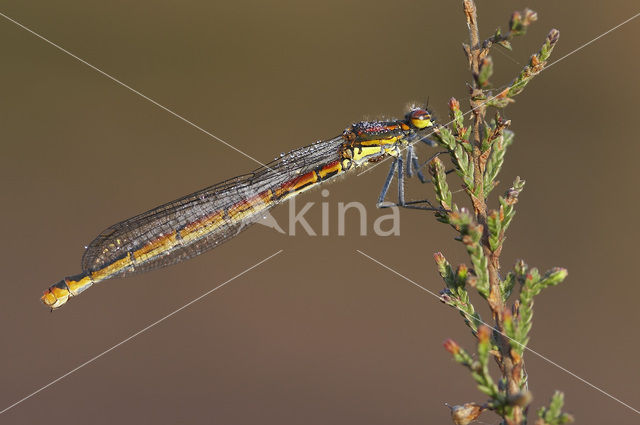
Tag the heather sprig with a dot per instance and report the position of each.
(477, 149)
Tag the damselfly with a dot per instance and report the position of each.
(191, 225)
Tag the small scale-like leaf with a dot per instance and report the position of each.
(486, 71)
(553, 277)
(553, 414)
(445, 270)
(495, 230)
(446, 139)
(506, 286)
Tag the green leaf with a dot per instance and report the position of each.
(536, 64)
(444, 196)
(506, 286)
(506, 44)
(471, 236)
(445, 270)
(446, 139)
(532, 284)
(553, 277)
(464, 164)
(496, 159)
(509, 326)
(485, 72)
(495, 230)
(466, 135)
(499, 102)
(508, 201)
(553, 414)
(459, 151)
(457, 117)
(462, 273)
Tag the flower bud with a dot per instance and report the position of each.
(454, 105)
(484, 332)
(451, 346)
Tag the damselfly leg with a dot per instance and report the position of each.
(408, 166)
(413, 164)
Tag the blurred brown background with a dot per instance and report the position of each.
(319, 334)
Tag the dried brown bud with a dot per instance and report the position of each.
(466, 413)
(517, 358)
(502, 94)
(512, 196)
(445, 296)
(534, 62)
(521, 399)
(451, 346)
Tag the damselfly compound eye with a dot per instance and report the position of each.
(420, 118)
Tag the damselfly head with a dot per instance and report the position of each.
(419, 118)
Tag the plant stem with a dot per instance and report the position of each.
(477, 153)
(510, 367)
